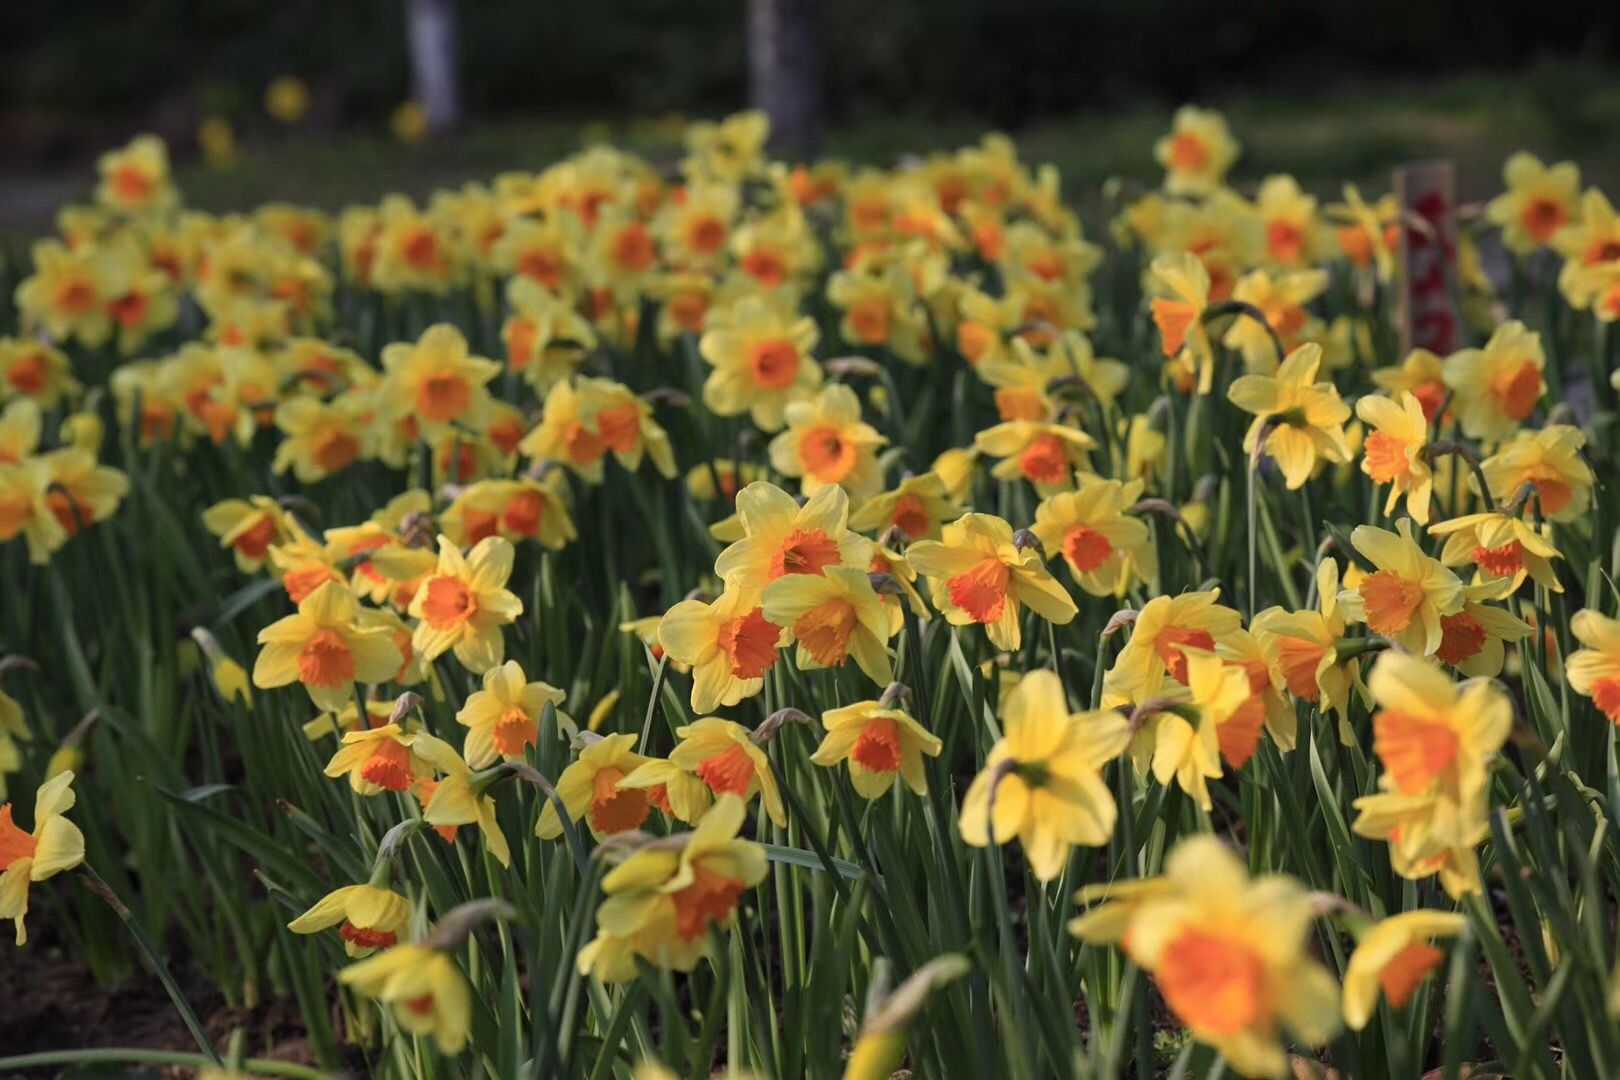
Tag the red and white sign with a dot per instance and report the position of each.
(1428, 257)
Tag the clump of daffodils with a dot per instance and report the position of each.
(885, 531)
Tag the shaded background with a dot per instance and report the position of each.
(1331, 90)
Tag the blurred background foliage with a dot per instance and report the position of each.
(1000, 61)
(1329, 89)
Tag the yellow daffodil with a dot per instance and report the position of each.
(436, 381)
(1393, 452)
(1288, 218)
(1042, 782)
(65, 295)
(1303, 646)
(1422, 374)
(1028, 384)
(918, 506)
(589, 789)
(368, 918)
(1590, 246)
(1435, 741)
(36, 370)
(728, 644)
(761, 355)
(1594, 671)
(889, 561)
(1392, 958)
(681, 795)
(1282, 299)
(381, 758)
(694, 232)
(54, 845)
(1163, 629)
(725, 757)
(1473, 637)
(880, 311)
(324, 647)
(1188, 750)
(1197, 151)
(1229, 955)
(778, 251)
(1408, 593)
(983, 325)
(545, 338)
(1368, 233)
(413, 250)
(729, 149)
(1045, 454)
(834, 616)
(248, 527)
(1105, 549)
(135, 180)
(320, 437)
(458, 798)
(73, 492)
(1301, 421)
(463, 604)
(1500, 547)
(782, 538)
(1539, 201)
(1219, 231)
(826, 442)
(1180, 288)
(20, 427)
(518, 509)
(504, 717)
(979, 574)
(1266, 708)
(303, 565)
(1495, 389)
(879, 743)
(426, 990)
(1550, 461)
(581, 423)
(955, 467)
(661, 901)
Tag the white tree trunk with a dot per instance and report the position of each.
(784, 77)
(430, 28)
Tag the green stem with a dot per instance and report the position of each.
(187, 1014)
(1254, 550)
(137, 1056)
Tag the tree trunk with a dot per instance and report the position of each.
(430, 27)
(784, 76)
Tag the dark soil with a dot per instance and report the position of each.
(50, 1001)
